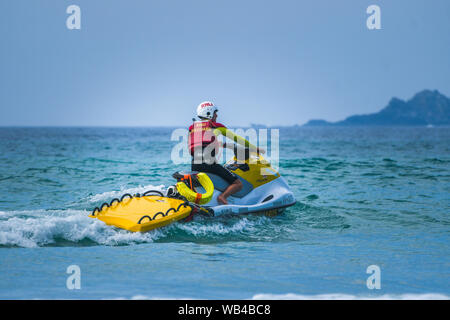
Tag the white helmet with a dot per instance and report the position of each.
(206, 109)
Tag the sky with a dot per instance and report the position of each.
(278, 63)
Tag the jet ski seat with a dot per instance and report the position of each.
(219, 183)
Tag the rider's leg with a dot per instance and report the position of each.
(236, 186)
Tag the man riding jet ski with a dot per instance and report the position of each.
(204, 145)
(247, 180)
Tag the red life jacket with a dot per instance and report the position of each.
(201, 134)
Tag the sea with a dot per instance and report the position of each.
(371, 219)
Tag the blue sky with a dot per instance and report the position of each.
(149, 63)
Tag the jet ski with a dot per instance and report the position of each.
(264, 191)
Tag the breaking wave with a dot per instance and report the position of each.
(344, 296)
(327, 296)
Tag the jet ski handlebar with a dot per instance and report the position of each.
(241, 153)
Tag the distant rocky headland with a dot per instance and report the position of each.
(425, 108)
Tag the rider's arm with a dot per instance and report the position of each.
(231, 135)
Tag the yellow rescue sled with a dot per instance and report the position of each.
(142, 213)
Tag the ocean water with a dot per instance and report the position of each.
(365, 196)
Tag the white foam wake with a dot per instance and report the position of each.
(109, 195)
(45, 227)
(37, 228)
(217, 228)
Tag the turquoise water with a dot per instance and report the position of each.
(366, 196)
